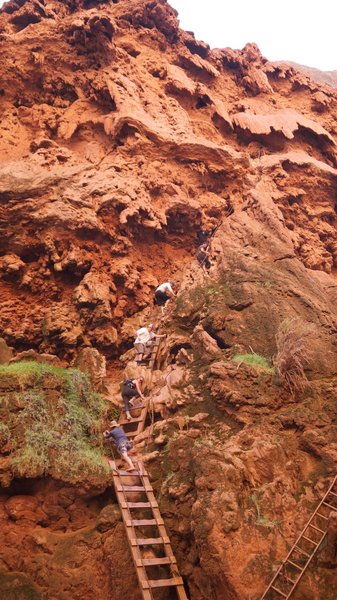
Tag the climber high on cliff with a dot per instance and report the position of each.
(131, 388)
(117, 434)
(202, 257)
(163, 294)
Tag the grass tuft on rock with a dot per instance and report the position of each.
(54, 421)
(255, 360)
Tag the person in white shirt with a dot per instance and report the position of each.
(144, 342)
(163, 294)
(144, 336)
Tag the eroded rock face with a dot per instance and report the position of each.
(118, 147)
(122, 160)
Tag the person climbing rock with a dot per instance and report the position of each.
(202, 257)
(163, 294)
(144, 341)
(131, 388)
(117, 434)
(202, 236)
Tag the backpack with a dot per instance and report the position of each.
(129, 383)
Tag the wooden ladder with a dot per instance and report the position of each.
(135, 425)
(151, 359)
(298, 559)
(157, 541)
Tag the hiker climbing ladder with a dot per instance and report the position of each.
(157, 541)
(135, 425)
(298, 559)
(150, 359)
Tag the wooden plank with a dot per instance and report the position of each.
(152, 541)
(132, 488)
(149, 562)
(285, 576)
(295, 565)
(278, 591)
(158, 583)
(298, 549)
(321, 516)
(304, 537)
(140, 522)
(137, 505)
(317, 528)
(330, 505)
(124, 422)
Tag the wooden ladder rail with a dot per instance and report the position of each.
(297, 549)
(147, 585)
(151, 359)
(140, 420)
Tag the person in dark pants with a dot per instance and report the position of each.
(163, 294)
(131, 388)
(202, 257)
(117, 434)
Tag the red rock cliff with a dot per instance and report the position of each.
(122, 137)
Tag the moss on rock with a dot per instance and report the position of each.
(54, 419)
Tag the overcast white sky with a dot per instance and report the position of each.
(303, 31)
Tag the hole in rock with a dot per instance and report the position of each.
(222, 345)
(203, 101)
(175, 349)
(293, 200)
(31, 254)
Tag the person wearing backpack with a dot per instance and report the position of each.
(122, 443)
(131, 388)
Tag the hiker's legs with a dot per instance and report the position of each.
(148, 349)
(140, 349)
(126, 400)
(127, 459)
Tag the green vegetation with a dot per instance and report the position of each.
(55, 421)
(213, 295)
(256, 360)
(261, 519)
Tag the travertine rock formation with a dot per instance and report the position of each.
(122, 138)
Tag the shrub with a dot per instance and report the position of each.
(293, 341)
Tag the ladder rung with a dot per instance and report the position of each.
(139, 522)
(157, 583)
(150, 541)
(302, 551)
(131, 433)
(309, 540)
(278, 591)
(317, 528)
(333, 493)
(138, 505)
(330, 505)
(285, 576)
(294, 565)
(149, 562)
(141, 406)
(130, 421)
(322, 516)
(134, 473)
(132, 488)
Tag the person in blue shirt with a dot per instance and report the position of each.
(117, 434)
